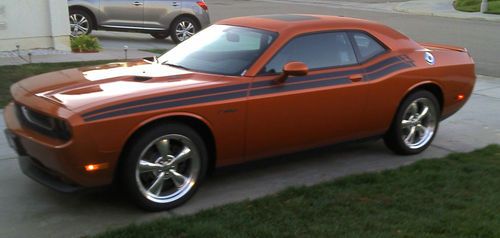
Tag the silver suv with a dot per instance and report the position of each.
(179, 19)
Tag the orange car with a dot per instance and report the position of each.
(244, 88)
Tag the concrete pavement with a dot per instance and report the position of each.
(31, 210)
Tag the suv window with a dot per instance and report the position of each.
(317, 51)
(368, 47)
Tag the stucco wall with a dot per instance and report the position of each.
(34, 24)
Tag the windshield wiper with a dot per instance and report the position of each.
(175, 65)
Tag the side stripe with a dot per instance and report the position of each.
(169, 97)
(163, 105)
(372, 72)
(386, 71)
(293, 87)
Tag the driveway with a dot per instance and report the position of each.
(31, 210)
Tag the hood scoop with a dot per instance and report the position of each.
(142, 78)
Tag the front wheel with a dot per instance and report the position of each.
(415, 124)
(164, 167)
(182, 29)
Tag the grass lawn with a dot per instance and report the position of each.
(475, 6)
(457, 196)
(11, 74)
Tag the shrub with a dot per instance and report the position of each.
(85, 43)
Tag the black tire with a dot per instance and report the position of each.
(133, 181)
(80, 13)
(405, 122)
(178, 25)
(159, 36)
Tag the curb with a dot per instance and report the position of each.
(404, 8)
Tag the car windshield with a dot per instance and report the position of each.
(220, 49)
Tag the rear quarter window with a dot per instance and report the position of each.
(367, 46)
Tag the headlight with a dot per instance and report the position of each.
(43, 124)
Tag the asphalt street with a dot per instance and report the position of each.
(31, 210)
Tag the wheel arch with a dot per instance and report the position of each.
(199, 124)
(87, 10)
(430, 86)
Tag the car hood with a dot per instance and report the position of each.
(83, 88)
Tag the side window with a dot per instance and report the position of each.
(368, 47)
(320, 50)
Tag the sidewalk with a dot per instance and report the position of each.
(51, 56)
(441, 8)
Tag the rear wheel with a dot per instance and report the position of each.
(80, 23)
(182, 29)
(415, 124)
(164, 167)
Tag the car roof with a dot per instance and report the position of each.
(286, 22)
(289, 25)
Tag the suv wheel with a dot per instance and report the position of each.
(164, 166)
(182, 29)
(80, 23)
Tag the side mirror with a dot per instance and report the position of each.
(293, 69)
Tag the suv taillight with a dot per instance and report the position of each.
(203, 5)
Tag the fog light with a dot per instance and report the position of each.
(94, 167)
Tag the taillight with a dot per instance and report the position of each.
(203, 5)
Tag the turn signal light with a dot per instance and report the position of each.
(460, 97)
(94, 167)
(203, 5)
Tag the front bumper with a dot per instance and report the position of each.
(52, 162)
(37, 171)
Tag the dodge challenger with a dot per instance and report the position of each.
(244, 88)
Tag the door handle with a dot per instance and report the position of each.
(356, 78)
(175, 4)
(137, 3)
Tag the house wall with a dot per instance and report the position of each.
(34, 24)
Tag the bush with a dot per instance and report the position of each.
(85, 43)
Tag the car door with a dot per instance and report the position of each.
(122, 13)
(160, 13)
(322, 107)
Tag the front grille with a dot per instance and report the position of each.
(42, 123)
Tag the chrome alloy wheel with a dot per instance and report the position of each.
(168, 168)
(184, 30)
(419, 123)
(79, 24)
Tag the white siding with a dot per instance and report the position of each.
(34, 24)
